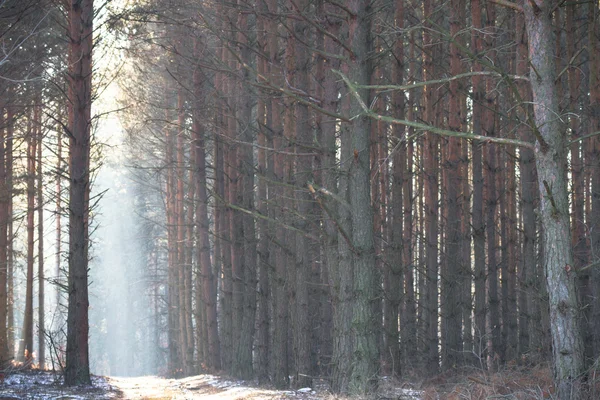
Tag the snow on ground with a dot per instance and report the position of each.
(37, 385)
(42, 385)
(207, 387)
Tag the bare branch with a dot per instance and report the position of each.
(429, 128)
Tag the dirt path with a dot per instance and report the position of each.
(45, 385)
(198, 387)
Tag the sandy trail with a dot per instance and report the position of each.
(197, 387)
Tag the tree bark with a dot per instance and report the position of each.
(393, 272)
(594, 164)
(478, 183)
(280, 300)
(528, 188)
(302, 176)
(10, 256)
(431, 209)
(205, 272)
(551, 162)
(41, 279)
(4, 217)
(363, 376)
(451, 281)
(80, 100)
(26, 346)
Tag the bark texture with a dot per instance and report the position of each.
(551, 163)
(77, 369)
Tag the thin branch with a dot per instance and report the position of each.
(439, 81)
(569, 64)
(439, 131)
(258, 215)
(579, 139)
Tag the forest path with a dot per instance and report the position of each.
(196, 387)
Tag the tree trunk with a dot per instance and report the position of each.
(171, 217)
(578, 236)
(205, 273)
(41, 278)
(393, 287)
(478, 182)
(408, 327)
(343, 279)
(431, 207)
(451, 281)
(302, 176)
(243, 366)
(528, 188)
(26, 346)
(594, 163)
(4, 218)
(363, 377)
(264, 123)
(280, 300)
(10, 256)
(80, 100)
(494, 341)
(551, 151)
(331, 89)
(58, 273)
(182, 285)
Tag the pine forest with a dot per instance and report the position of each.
(297, 193)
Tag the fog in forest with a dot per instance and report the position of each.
(120, 305)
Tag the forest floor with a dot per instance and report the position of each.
(44, 385)
(534, 382)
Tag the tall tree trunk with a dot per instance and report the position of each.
(182, 284)
(80, 100)
(343, 279)
(58, 273)
(302, 176)
(551, 151)
(509, 277)
(264, 123)
(494, 341)
(452, 282)
(329, 166)
(322, 266)
(26, 346)
(478, 183)
(4, 217)
(528, 262)
(409, 308)
(205, 271)
(431, 206)
(41, 278)
(594, 147)
(10, 256)
(222, 217)
(395, 263)
(243, 366)
(280, 300)
(363, 376)
(578, 236)
(171, 216)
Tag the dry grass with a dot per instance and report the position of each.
(513, 382)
